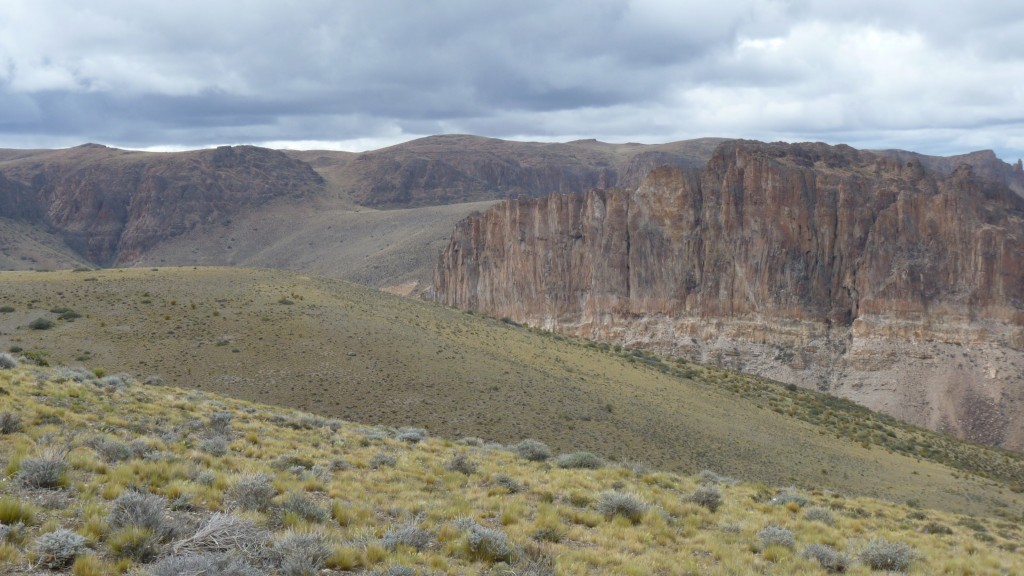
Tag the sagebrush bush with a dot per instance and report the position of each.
(880, 554)
(707, 496)
(585, 460)
(220, 423)
(300, 505)
(789, 497)
(41, 324)
(711, 477)
(112, 450)
(59, 548)
(776, 536)
(7, 362)
(408, 534)
(300, 553)
(533, 450)
(204, 565)
(252, 492)
(214, 446)
(507, 482)
(827, 557)
(382, 459)
(488, 544)
(412, 435)
(10, 423)
(142, 510)
(621, 504)
(48, 470)
(819, 514)
(461, 463)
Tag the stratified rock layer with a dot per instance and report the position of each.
(857, 272)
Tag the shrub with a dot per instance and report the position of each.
(710, 477)
(776, 536)
(7, 362)
(621, 504)
(6, 309)
(40, 324)
(204, 564)
(112, 450)
(409, 535)
(214, 446)
(411, 435)
(58, 549)
(461, 463)
(827, 557)
(13, 511)
(507, 482)
(382, 459)
(880, 554)
(936, 528)
(301, 553)
(135, 543)
(141, 510)
(298, 504)
(579, 460)
(819, 514)
(488, 544)
(220, 423)
(533, 450)
(46, 471)
(707, 496)
(223, 533)
(787, 497)
(10, 423)
(252, 492)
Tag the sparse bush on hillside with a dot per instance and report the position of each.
(787, 497)
(59, 548)
(382, 459)
(776, 536)
(827, 557)
(220, 424)
(45, 471)
(134, 508)
(75, 374)
(707, 496)
(487, 544)
(509, 483)
(710, 477)
(819, 514)
(621, 504)
(154, 380)
(7, 362)
(471, 441)
(300, 505)
(41, 324)
(252, 492)
(214, 446)
(301, 553)
(408, 534)
(880, 554)
(412, 435)
(10, 423)
(533, 450)
(585, 460)
(461, 463)
(110, 450)
(204, 565)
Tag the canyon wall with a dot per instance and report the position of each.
(860, 273)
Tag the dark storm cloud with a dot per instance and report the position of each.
(937, 76)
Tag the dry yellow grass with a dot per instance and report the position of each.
(345, 351)
(554, 519)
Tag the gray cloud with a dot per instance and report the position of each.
(940, 77)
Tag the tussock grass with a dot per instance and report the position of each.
(170, 507)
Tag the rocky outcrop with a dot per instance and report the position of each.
(112, 205)
(826, 266)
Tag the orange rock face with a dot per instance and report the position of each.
(808, 248)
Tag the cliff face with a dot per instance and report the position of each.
(825, 266)
(112, 205)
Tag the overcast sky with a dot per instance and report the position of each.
(936, 76)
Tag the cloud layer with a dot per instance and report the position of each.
(939, 77)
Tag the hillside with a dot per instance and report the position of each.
(107, 475)
(840, 270)
(345, 351)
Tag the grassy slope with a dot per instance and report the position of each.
(328, 467)
(346, 351)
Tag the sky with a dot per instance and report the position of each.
(935, 76)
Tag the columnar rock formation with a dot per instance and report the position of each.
(861, 273)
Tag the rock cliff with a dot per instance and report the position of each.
(861, 273)
(112, 205)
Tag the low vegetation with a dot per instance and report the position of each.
(126, 487)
